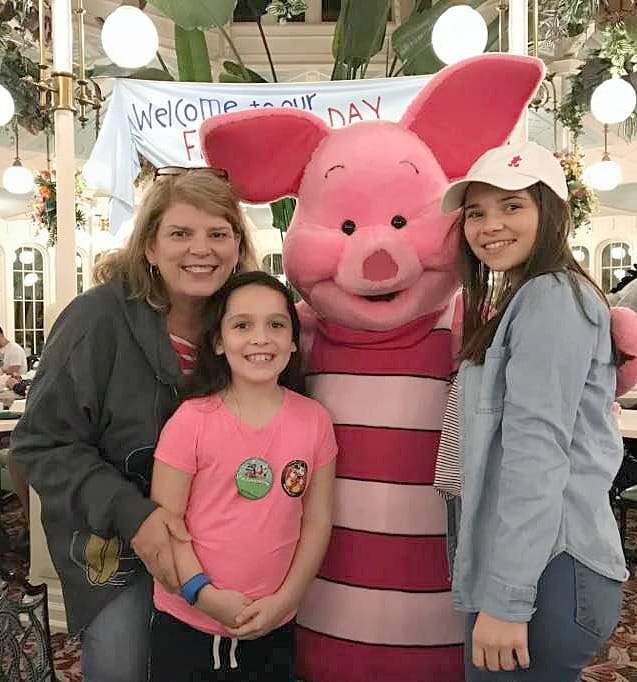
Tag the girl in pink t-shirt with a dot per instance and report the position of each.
(249, 464)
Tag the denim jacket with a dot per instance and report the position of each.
(540, 448)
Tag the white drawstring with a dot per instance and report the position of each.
(216, 643)
(216, 653)
(233, 648)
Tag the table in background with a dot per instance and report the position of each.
(628, 423)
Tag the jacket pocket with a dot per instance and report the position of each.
(493, 381)
(598, 601)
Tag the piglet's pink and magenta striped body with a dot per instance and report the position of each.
(381, 609)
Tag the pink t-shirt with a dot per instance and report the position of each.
(243, 544)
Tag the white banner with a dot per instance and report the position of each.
(161, 120)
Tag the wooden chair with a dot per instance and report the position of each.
(25, 636)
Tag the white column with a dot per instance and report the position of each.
(65, 277)
(518, 44)
(42, 569)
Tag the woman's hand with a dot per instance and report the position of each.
(151, 543)
(499, 644)
(261, 617)
(222, 605)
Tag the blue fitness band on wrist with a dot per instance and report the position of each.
(191, 588)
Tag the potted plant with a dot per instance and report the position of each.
(566, 25)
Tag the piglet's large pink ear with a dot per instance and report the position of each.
(472, 106)
(265, 152)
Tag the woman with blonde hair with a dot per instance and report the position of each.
(109, 379)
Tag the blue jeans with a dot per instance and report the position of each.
(577, 611)
(115, 645)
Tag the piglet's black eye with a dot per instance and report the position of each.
(348, 227)
(398, 221)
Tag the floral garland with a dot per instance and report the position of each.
(581, 199)
(44, 211)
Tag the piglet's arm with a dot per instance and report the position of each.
(624, 330)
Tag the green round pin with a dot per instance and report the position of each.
(253, 478)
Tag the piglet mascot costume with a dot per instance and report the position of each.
(376, 263)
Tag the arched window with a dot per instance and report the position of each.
(28, 299)
(583, 257)
(616, 259)
(273, 264)
(79, 268)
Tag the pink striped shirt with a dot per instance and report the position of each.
(381, 606)
(186, 352)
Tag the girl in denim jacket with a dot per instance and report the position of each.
(539, 564)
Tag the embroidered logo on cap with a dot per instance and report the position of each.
(515, 162)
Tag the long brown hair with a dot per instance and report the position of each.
(486, 298)
(195, 187)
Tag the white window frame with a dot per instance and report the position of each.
(20, 330)
(626, 261)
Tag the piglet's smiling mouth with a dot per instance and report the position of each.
(376, 298)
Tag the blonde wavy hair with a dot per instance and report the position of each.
(196, 187)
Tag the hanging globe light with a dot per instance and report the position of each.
(613, 101)
(604, 175)
(30, 279)
(617, 252)
(7, 106)
(459, 32)
(579, 255)
(129, 37)
(17, 179)
(26, 257)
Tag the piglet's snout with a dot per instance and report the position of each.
(379, 266)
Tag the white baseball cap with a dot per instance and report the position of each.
(513, 166)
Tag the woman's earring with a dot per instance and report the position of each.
(152, 270)
(236, 268)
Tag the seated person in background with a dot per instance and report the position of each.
(14, 359)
